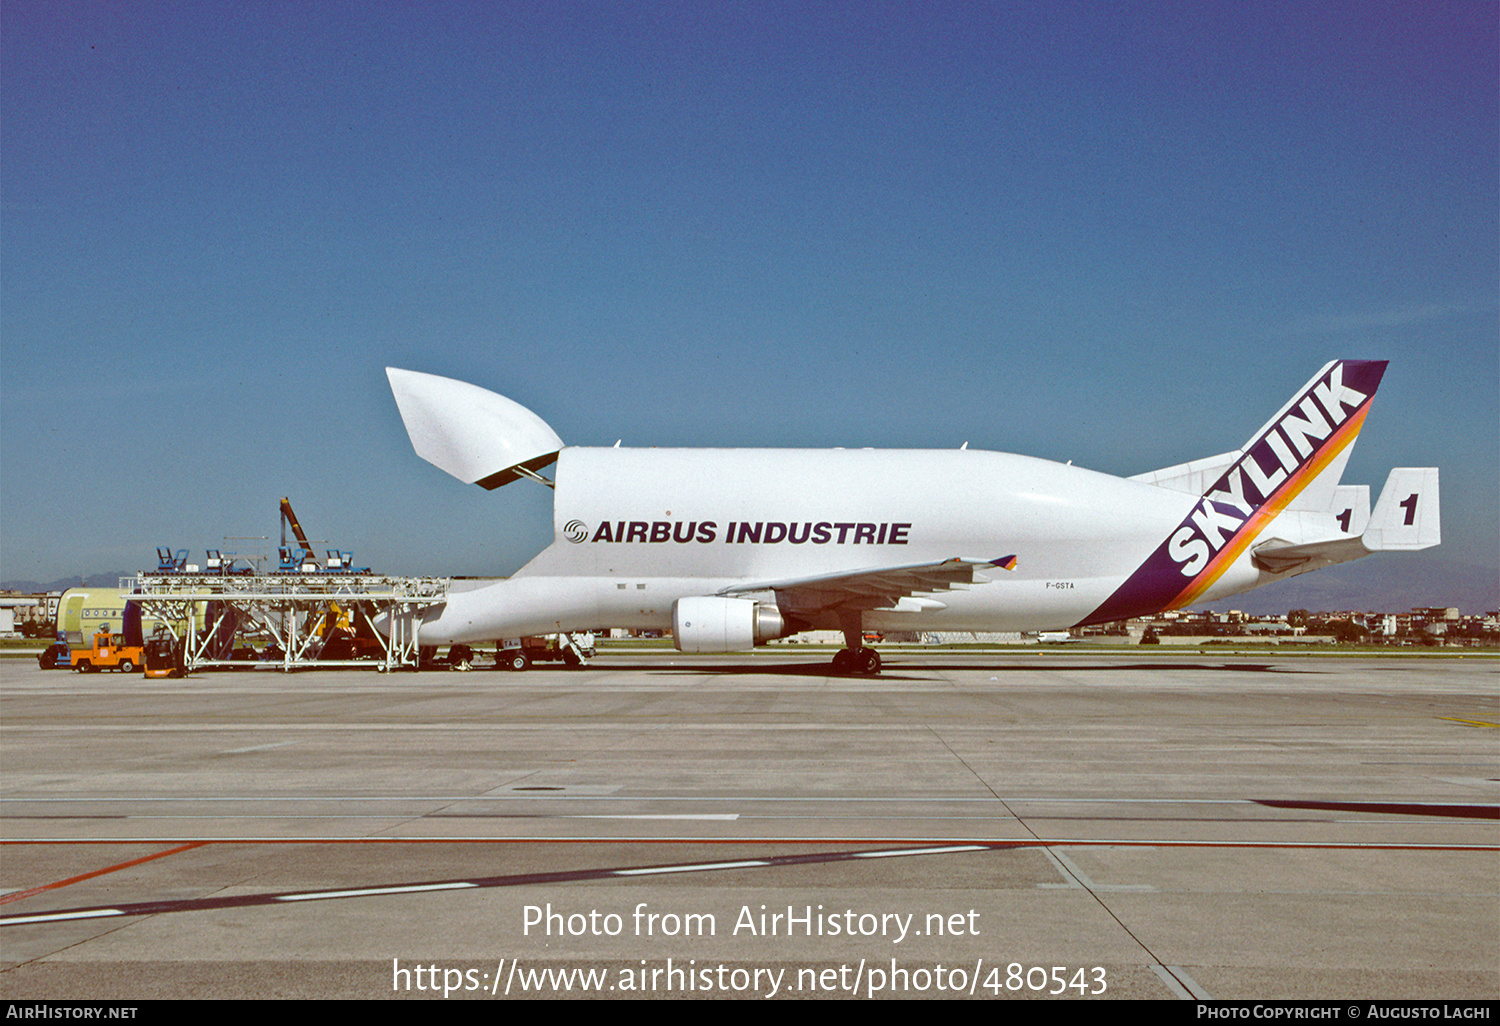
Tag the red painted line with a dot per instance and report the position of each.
(1454, 811)
(18, 895)
(1030, 842)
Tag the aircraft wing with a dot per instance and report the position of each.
(903, 588)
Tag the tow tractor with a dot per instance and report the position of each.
(109, 652)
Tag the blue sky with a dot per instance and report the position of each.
(1121, 234)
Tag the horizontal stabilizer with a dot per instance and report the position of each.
(470, 432)
(1405, 518)
(1195, 478)
(1278, 556)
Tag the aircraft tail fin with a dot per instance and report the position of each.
(1313, 435)
(1293, 462)
(1296, 435)
(470, 432)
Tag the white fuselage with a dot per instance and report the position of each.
(637, 529)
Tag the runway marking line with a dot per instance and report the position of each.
(18, 895)
(365, 892)
(567, 876)
(1450, 809)
(514, 880)
(939, 843)
(694, 868)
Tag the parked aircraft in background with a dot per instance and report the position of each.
(730, 548)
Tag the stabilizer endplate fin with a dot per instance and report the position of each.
(1406, 516)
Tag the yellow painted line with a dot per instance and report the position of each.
(1472, 723)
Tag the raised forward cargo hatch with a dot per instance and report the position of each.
(470, 432)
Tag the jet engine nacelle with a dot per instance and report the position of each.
(708, 624)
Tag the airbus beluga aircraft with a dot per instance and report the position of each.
(730, 548)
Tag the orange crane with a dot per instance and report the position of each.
(295, 560)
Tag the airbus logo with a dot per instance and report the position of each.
(759, 532)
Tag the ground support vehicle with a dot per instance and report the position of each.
(569, 649)
(55, 657)
(163, 656)
(108, 652)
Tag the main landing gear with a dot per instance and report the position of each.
(862, 661)
(856, 658)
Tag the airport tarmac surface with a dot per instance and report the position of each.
(995, 824)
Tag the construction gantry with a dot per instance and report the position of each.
(297, 619)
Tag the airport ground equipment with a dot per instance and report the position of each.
(570, 649)
(343, 562)
(169, 562)
(107, 652)
(218, 563)
(163, 656)
(55, 657)
(323, 619)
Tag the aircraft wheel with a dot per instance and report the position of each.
(841, 660)
(869, 662)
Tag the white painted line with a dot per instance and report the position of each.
(920, 851)
(56, 917)
(722, 816)
(413, 889)
(1178, 990)
(261, 748)
(1066, 867)
(1189, 990)
(689, 869)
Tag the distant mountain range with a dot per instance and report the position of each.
(1390, 583)
(105, 579)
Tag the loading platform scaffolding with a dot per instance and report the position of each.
(211, 615)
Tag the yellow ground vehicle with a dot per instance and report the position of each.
(109, 652)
